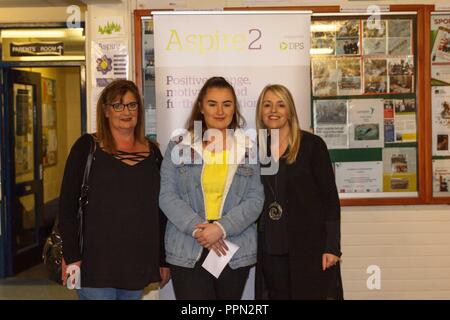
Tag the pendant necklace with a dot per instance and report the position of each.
(275, 210)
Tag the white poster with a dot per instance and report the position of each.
(399, 170)
(250, 49)
(330, 122)
(405, 120)
(440, 53)
(366, 123)
(359, 177)
(109, 63)
(441, 177)
(440, 120)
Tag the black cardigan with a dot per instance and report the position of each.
(313, 223)
(123, 226)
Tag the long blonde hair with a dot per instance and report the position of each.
(294, 126)
(118, 88)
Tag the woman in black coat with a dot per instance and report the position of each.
(299, 229)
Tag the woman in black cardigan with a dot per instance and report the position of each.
(299, 229)
(123, 227)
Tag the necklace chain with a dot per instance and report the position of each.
(274, 194)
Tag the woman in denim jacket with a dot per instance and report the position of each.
(211, 191)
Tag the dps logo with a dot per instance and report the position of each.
(284, 45)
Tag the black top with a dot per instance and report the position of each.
(123, 226)
(280, 187)
(274, 237)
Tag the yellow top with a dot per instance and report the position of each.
(214, 177)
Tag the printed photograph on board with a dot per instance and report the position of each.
(349, 80)
(374, 28)
(323, 37)
(442, 142)
(400, 28)
(399, 36)
(399, 46)
(399, 169)
(441, 177)
(440, 53)
(388, 106)
(375, 46)
(440, 108)
(401, 66)
(330, 111)
(375, 67)
(401, 84)
(405, 120)
(324, 75)
(389, 131)
(367, 131)
(347, 37)
(374, 37)
(330, 122)
(375, 84)
(441, 48)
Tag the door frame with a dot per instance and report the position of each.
(6, 256)
(33, 186)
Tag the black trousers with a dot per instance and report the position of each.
(276, 272)
(198, 284)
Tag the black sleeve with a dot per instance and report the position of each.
(162, 231)
(162, 219)
(324, 176)
(68, 198)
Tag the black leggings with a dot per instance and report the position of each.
(198, 284)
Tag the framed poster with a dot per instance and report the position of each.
(440, 102)
(364, 102)
(49, 132)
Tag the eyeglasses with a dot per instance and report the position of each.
(118, 107)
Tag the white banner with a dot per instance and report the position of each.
(250, 49)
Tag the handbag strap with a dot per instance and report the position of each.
(82, 200)
(87, 168)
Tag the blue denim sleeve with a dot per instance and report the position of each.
(171, 203)
(247, 212)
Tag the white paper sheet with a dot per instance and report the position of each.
(441, 177)
(359, 177)
(215, 264)
(366, 123)
(330, 122)
(441, 120)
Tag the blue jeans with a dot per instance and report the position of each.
(108, 294)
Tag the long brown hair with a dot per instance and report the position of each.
(112, 91)
(215, 82)
(294, 126)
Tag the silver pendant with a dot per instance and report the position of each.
(275, 211)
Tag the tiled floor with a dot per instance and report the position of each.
(33, 285)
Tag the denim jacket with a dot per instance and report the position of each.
(181, 199)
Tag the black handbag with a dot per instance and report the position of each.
(53, 248)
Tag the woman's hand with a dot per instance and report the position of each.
(329, 260)
(165, 276)
(220, 248)
(210, 236)
(64, 266)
